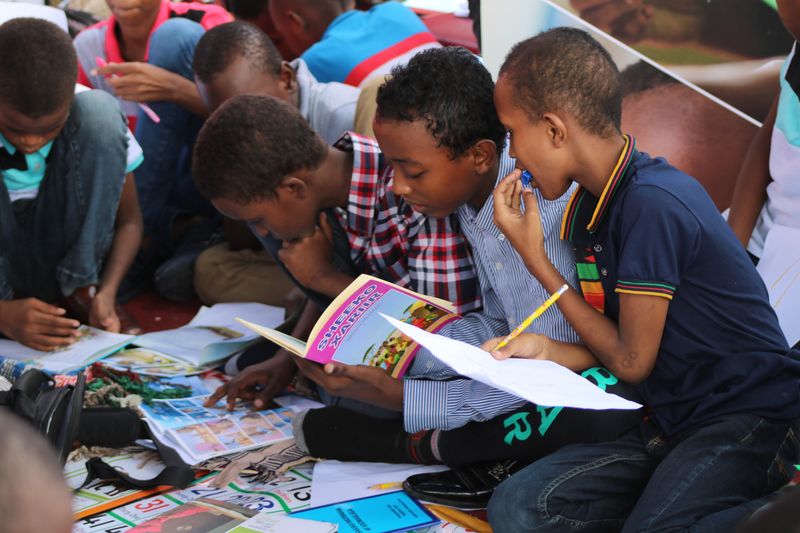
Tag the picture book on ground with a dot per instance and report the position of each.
(151, 363)
(198, 433)
(352, 331)
(208, 516)
(392, 512)
(213, 334)
(91, 344)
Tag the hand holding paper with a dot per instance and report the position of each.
(541, 382)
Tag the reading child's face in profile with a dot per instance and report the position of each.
(425, 173)
(287, 216)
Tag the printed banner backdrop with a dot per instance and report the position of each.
(731, 48)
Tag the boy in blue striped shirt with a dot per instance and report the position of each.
(437, 124)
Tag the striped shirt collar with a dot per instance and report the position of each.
(484, 218)
(577, 205)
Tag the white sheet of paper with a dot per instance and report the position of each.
(779, 267)
(337, 481)
(225, 315)
(541, 382)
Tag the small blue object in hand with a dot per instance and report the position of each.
(526, 178)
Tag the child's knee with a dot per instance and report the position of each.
(98, 119)
(172, 44)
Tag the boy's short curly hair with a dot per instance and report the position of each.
(249, 144)
(451, 91)
(222, 45)
(38, 66)
(566, 69)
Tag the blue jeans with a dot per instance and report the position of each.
(164, 179)
(706, 479)
(58, 242)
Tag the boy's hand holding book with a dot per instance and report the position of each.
(37, 324)
(358, 382)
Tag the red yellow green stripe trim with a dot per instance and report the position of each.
(620, 168)
(664, 290)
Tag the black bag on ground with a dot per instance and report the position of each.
(58, 414)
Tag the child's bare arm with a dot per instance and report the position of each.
(142, 82)
(127, 238)
(310, 260)
(629, 349)
(751, 184)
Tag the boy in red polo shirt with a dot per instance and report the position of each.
(143, 55)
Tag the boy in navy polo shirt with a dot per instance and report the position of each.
(671, 302)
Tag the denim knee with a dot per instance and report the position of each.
(512, 507)
(172, 45)
(98, 121)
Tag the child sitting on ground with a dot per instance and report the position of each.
(677, 309)
(340, 43)
(142, 54)
(69, 216)
(329, 213)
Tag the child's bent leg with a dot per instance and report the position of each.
(585, 487)
(531, 432)
(707, 481)
(172, 48)
(74, 214)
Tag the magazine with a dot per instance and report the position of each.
(91, 345)
(198, 433)
(151, 363)
(352, 331)
(212, 335)
(209, 516)
(391, 512)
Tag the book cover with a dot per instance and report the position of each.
(352, 331)
(392, 512)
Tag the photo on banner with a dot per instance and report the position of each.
(702, 135)
(731, 48)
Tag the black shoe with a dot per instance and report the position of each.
(468, 487)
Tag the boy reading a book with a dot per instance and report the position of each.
(447, 147)
(69, 216)
(671, 302)
(331, 212)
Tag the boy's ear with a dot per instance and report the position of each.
(292, 187)
(297, 19)
(484, 154)
(288, 78)
(556, 129)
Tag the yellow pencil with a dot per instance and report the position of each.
(385, 486)
(459, 518)
(527, 322)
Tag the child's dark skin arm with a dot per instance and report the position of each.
(37, 324)
(750, 192)
(136, 81)
(310, 260)
(358, 382)
(127, 238)
(628, 349)
(261, 382)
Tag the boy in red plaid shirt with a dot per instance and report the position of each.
(327, 214)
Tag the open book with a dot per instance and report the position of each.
(198, 433)
(352, 331)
